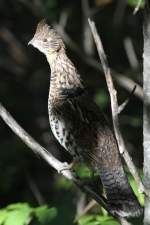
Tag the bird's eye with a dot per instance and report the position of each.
(45, 40)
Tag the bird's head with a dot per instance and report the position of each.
(46, 39)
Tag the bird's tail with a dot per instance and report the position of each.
(121, 199)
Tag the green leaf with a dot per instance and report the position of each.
(112, 222)
(45, 215)
(83, 171)
(84, 220)
(97, 220)
(22, 214)
(18, 206)
(63, 183)
(101, 98)
(18, 217)
(135, 2)
(136, 191)
(3, 215)
(93, 223)
(106, 220)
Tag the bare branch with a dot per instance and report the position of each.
(35, 146)
(16, 49)
(86, 209)
(60, 167)
(114, 107)
(121, 79)
(35, 189)
(130, 52)
(88, 43)
(137, 7)
(128, 84)
(63, 19)
(123, 105)
(146, 108)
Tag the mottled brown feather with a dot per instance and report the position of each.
(80, 126)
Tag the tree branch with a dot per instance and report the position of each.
(60, 167)
(137, 7)
(123, 105)
(124, 81)
(146, 109)
(114, 108)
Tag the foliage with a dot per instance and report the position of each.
(97, 220)
(24, 84)
(135, 2)
(23, 214)
(134, 186)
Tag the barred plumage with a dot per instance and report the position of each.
(79, 125)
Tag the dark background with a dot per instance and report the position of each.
(24, 84)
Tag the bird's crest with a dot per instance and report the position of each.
(43, 30)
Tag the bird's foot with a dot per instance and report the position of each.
(65, 166)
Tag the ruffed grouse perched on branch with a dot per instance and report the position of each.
(80, 127)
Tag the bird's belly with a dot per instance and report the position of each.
(65, 137)
(59, 131)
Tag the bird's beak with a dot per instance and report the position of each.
(30, 42)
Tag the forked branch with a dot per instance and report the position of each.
(115, 107)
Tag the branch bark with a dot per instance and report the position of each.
(60, 167)
(146, 115)
(115, 108)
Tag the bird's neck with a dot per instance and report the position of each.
(65, 82)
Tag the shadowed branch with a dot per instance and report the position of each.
(60, 167)
(124, 81)
(115, 108)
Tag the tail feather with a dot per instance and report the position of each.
(121, 199)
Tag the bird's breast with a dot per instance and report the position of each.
(64, 136)
(59, 130)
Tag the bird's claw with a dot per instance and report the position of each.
(65, 166)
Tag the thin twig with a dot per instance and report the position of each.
(137, 7)
(63, 19)
(128, 84)
(124, 104)
(35, 190)
(80, 205)
(121, 79)
(87, 208)
(130, 52)
(114, 107)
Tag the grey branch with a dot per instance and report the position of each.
(123, 105)
(32, 144)
(146, 111)
(128, 84)
(114, 107)
(121, 79)
(137, 6)
(60, 167)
